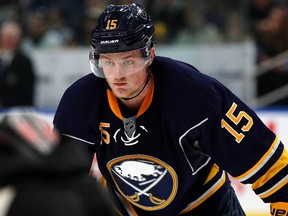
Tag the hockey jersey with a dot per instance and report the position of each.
(189, 132)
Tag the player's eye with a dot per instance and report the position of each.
(109, 63)
(128, 62)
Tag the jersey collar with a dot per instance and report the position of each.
(113, 103)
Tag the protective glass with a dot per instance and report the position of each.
(111, 65)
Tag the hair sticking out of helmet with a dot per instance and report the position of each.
(121, 28)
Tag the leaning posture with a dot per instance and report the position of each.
(166, 135)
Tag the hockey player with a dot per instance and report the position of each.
(166, 135)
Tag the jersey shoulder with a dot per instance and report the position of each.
(80, 102)
(85, 84)
(82, 92)
(185, 82)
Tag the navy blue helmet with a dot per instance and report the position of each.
(122, 28)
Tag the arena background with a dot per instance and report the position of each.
(231, 64)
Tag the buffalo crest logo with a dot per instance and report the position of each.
(145, 181)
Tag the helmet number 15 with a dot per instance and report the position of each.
(111, 24)
(236, 119)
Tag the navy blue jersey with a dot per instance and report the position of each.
(174, 154)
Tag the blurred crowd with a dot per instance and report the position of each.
(69, 23)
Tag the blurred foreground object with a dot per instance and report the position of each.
(39, 175)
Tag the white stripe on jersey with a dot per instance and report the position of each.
(82, 140)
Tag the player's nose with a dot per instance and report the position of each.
(118, 72)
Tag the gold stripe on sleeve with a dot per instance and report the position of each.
(278, 166)
(261, 162)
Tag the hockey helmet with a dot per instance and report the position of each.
(28, 135)
(121, 28)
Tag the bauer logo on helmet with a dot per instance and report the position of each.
(109, 41)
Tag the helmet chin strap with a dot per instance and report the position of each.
(146, 82)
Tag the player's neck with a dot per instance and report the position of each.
(135, 103)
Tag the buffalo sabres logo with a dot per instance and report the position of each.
(145, 181)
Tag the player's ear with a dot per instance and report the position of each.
(152, 52)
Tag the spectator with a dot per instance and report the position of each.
(93, 9)
(259, 10)
(8, 10)
(58, 25)
(271, 35)
(39, 33)
(17, 76)
(235, 29)
(197, 29)
(89, 24)
(169, 17)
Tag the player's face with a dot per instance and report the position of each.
(125, 72)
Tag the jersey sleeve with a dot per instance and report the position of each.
(240, 143)
(76, 115)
